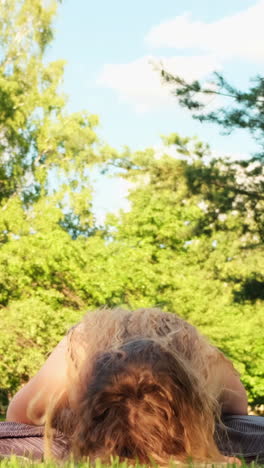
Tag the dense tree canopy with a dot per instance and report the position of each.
(45, 193)
(197, 250)
(191, 243)
(39, 142)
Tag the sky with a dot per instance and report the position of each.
(110, 48)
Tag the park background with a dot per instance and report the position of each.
(96, 207)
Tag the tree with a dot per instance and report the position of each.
(39, 141)
(191, 242)
(238, 184)
(242, 109)
(183, 247)
(45, 193)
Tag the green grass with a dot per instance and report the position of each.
(15, 462)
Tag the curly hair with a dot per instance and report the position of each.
(137, 389)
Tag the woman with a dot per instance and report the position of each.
(140, 385)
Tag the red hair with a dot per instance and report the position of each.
(138, 388)
(142, 403)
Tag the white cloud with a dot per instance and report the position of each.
(140, 84)
(240, 35)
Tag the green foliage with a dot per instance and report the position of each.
(180, 247)
(241, 182)
(191, 243)
(233, 196)
(45, 194)
(29, 329)
(40, 144)
(15, 462)
(191, 247)
(242, 109)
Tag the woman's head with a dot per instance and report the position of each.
(143, 402)
(137, 388)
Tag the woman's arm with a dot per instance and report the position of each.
(51, 379)
(233, 396)
(231, 392)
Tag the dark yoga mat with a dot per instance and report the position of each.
(27, 441)
(243, 436)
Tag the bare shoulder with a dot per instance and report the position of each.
(30, 403)
(230, 391)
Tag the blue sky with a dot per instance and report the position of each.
(108, 46)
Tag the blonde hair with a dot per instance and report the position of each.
(137, 388)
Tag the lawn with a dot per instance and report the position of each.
(14, 462)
